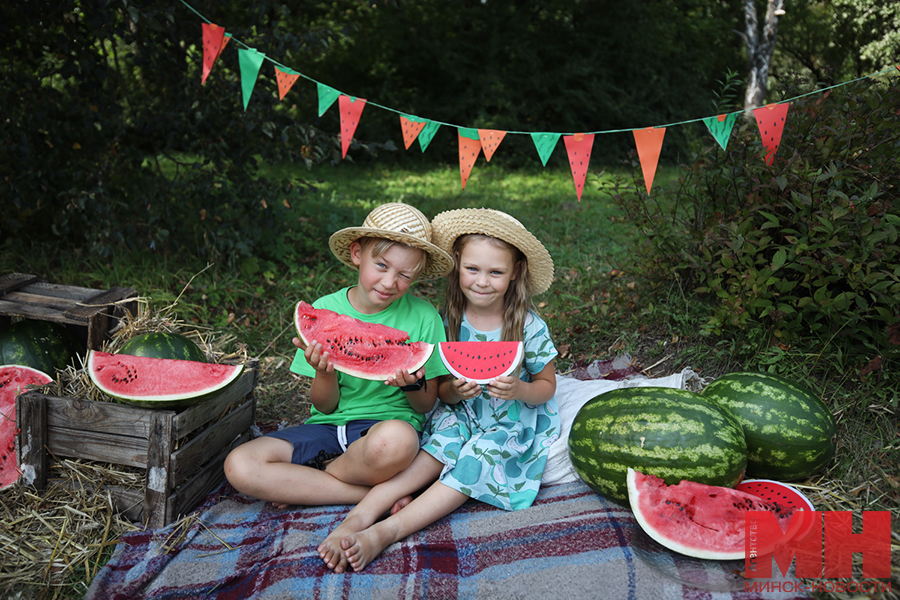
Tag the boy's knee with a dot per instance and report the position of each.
(393, 444)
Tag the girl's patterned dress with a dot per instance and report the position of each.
(495, 450)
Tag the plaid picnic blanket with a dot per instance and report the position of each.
(571, 544)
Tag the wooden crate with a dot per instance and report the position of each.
(88, 313)
(181, 452)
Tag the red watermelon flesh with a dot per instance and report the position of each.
(213, 36)
(158, 382)
(365, 350)
(285, 81)
(770, 119)
(783, 495)
(490, 140)
(579, 148)
(469, 150)
(481, 362)
(698, 520)
(14, 380)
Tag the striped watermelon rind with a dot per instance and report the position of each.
(163, 344)
(790, 431)
(41, 345)
(671, 433)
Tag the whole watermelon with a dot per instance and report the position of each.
(671, 433)
(41, 345)
(163, 344)
(790, 431)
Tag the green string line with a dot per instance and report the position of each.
(511, 132)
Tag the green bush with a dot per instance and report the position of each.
(805, 248)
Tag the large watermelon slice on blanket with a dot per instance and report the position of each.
(481, 362)
(158, 382)
(704, 521)
(14, 380)
(365, 350)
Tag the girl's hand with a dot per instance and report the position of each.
(505, 388)
(316, 356)
(466, 390)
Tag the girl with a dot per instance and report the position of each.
(487, 443)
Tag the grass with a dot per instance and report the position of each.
(602, 304)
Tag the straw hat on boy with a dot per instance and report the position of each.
(400, 223)
(451, 224)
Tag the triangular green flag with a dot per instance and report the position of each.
(250, 61)
(466, 132)
(427, 134)
(721, 126)
(327, 96)
(545, 143)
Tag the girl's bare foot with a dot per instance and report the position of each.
(330, 550)
(363, 547)
(399, 504)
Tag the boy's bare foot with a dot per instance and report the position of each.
(363, 547)
(330, 549)
(399, 504)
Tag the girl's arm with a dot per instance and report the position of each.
(539, 390)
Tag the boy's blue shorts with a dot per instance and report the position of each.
(317, 443)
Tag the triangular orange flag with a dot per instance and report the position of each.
(649, 144)
(770, 119)
(225, 41)
(351, 109)
(469, 149)
(578, 147)
(285, 79)
(212, 45)
(490, 139)
(411, 130)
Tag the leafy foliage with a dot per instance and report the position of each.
(804, 249)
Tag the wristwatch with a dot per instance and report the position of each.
(415, 387)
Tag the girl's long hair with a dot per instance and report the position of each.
(516, 302)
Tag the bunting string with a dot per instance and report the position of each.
(770, 118)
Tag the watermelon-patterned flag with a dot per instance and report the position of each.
(411, 128)
(545, 143)
(770, 119)
(469, 149)
(327, 96)
(427, 134)
(250, 61)
(212, 46)
(285, 78)
(649, 144)
(225, 41)
(720, 126)
(351, 109)
(490, 139)
(579, 147)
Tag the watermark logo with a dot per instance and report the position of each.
(826, 551)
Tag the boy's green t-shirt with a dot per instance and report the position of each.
(364, 399)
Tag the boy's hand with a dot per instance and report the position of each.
(316, 356)
(402, 378)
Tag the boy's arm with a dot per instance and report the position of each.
(324, 392)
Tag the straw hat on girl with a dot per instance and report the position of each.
(451, 224)
(400, 223)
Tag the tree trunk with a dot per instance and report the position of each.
(759, 49)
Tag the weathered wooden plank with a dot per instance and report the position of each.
(198, 487)
(31, 415)
(99, 302)
(58, 290)
(103, 447)
(187, 459)
(14, 281)
(99, 417)
(29, 311)
(24, 297)
(198, 415)
(157, 476)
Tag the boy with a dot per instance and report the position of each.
(360, 432)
